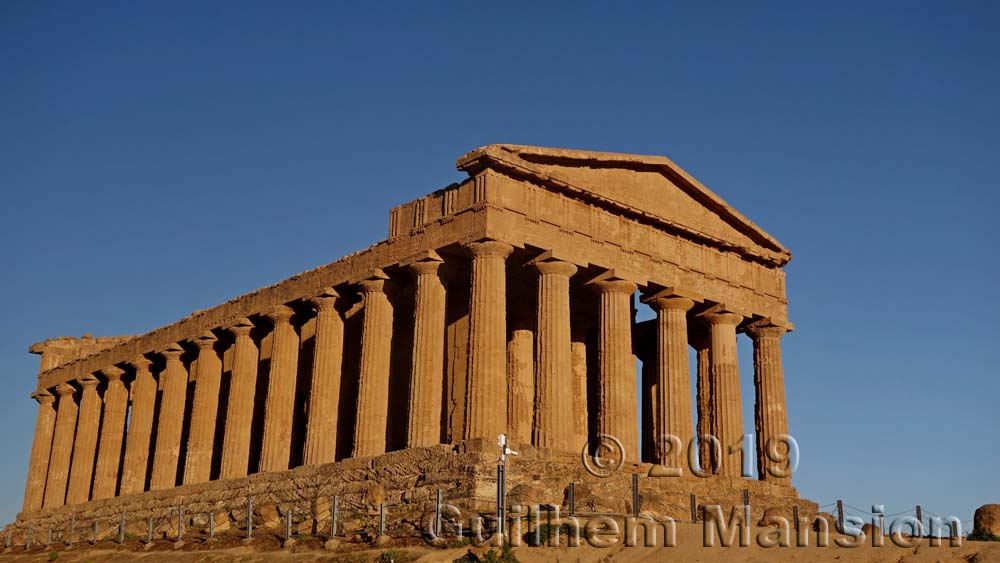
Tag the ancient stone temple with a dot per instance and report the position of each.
(506, 303)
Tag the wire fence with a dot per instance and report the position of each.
(333, 519)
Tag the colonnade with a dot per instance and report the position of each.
(137, 426)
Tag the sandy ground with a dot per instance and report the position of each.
(689, 549)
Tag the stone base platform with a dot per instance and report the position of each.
(405, 482)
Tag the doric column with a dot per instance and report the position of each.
(486, 391)
(173, 395)
(703, 396)
(553, 358)
(279, 406)
(324, 392)
(140, 428)
(770, 416)
(239, 411)
(427, 369)
(62, 447)
(520, 377)
(41, 448)
(85, 445)
(204, 411)
(109, 450)
(373, 383)
(617, 414)
(727, 410)
(673, 380)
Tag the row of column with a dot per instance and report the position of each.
(71, 463)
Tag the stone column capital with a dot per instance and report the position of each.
(172, 352)
(489, 248)
(88, 381)
(64, 389)
(279, 314)
(374, 285)
(671, 303)
(205, 341)
(326, 300)
(425, 267)
(113, 373)
(614, 285)
(719, 316)
(43, 397)
(555, 267)
(140, 363)
(765, 329)
(240, 328)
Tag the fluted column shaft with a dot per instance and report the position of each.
(618, 409)
(373, 383)
(204, 411)
(62, 447)
(486, 391)
(770, 416)
(427, 371)
(578, 352)
(239, 411)
(521, 383)
(324, 392)
(109, 449)
(279, 407)
(727, 409)
(85, 445)
(553, 358)
(173, 396)
(703, 396)
(140, 429)
(673, 380)
(41, 449)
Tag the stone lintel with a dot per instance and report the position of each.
(465, 226)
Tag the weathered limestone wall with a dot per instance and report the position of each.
(466, 475)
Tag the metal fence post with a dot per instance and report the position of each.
(635, 495)
(572, 498)
(211, 525)
(94, 531)
(249, 518)
(180, 523)
(333, 517)
(381, 519)
(149, 529)
(288, 523)
(920, 518)
(121, 529)
(29, 536)
(840, 516)
(694, 509)
(746, 505)
(72, 528)
(48, 537)
(437, 513)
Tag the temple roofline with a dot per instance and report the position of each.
(520, 157)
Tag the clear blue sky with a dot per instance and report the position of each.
(158, 158)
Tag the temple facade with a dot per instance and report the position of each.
(506, 303)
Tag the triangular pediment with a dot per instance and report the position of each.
(650, 188)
